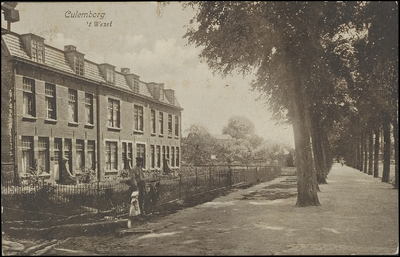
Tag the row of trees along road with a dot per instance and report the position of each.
(243, 146)
(325, 67)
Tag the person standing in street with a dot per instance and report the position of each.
(141, 183)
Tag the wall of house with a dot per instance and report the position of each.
(7, 152)
(60, 128)
(127, 134)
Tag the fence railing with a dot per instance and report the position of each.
(32, 201)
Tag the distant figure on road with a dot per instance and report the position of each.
(342, 161)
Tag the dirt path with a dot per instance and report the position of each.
(358, 215)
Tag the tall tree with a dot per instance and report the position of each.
(239, 127)
(198, 146)
(376, 153)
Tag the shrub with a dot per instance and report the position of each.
(87, 176)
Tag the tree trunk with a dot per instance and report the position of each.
(370, 152)
(365, 167)
(376, 154)
(318, 150)
(361, 152)
(307, 185)
(396, 152)
(386, 148)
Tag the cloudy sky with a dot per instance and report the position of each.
(150, 43)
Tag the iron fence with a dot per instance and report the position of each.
(35, 201)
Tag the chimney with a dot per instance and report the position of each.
(132, 79)
(125, 70)
(69, 48)
(170, 94)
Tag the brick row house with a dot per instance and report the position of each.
(55, 104)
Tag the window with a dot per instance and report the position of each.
(141, 152)
(136, 85)
(88, 108)
(167, 154)
(172, 156)
(158, 156)
(176, 126)
(127, 153)
(169, 125)
(43, 155)
(57, 149)
(138, 118)
(91, 158)
(110, 75)
(161, 122)
(27, 154)
(79, 64)
(177, 157)
(113, 113)
(111, 156)
(29, 97)
(37, 51)
(80, 154)
(72, 105)
(153, 121)
(153, 161)
(57, 157)
(68, 152)
(50, 92)
(163, 155)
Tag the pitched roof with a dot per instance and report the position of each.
(56, 59)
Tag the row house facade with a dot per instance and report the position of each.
(56, 104)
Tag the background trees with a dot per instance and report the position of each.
(198, 146)
(243, 147)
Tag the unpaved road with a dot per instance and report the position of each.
(358, 215)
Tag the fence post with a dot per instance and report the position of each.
(247, 170)
(98, 196)
(180, 185)
(257, 174)
(195, 169)
(219, 179)
(229, 177)
(210, 177)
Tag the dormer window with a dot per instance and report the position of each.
(110, 76)
(132, 79)
(108, 72)
(136, 86)
(34, 46)
(37, 51)
(79, 64)
(75, 58)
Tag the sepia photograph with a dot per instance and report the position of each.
(199, 128)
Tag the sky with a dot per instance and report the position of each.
(148, 39)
